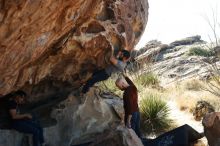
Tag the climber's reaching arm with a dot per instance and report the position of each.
(113, 60)
(16, 116)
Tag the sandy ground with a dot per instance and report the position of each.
(182, 117)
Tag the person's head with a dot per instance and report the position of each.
(121, 83)
(19, 96)
(124, 55)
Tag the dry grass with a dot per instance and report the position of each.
(186, 95)
(186, 103)
(148, 90)
(193, 84)
(186, 100)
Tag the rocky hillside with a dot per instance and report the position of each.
(181, 60)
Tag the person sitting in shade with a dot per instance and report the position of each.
(118, 64)
(130, 101)
(24, 123)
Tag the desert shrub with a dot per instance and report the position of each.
(147, 79)
(193, 85)
(197, 51)
(201, 109)
(154, 115)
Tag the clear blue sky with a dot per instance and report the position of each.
(170, 20)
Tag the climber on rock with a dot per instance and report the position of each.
(118, 64)
(130, 100)
(24, 123)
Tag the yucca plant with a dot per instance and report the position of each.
(154, 115)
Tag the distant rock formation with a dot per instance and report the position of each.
(172, 62)
(187, 41)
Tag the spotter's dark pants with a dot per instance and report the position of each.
(30, 127)
(135, 122)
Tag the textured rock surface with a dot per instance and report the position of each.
(211, 123)
(119, 137)
(10, 138)
(79, 120)
(50, 48)
(47, 46)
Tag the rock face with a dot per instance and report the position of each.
(121, 136)
(79, 120)
(10, 138)
(48, 46)
(211, 123)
